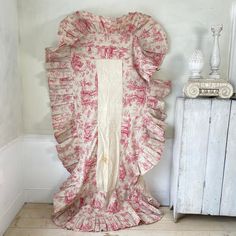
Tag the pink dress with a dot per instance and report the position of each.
(108, 118)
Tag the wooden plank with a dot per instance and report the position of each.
(190, 225)
(38, 205)
(193, 155)
(191, 222)
(48, 232)
(216, 156)
(58, 232)
(228, 200)
(36, 212)
(179, 110)
(21, 222)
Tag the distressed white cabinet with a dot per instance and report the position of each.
(204, 158)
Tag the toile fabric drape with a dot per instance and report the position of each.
(108, 118)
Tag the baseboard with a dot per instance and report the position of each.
(46, 196)
(7, 217)
(10, 144)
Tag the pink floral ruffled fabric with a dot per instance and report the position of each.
(141, 44)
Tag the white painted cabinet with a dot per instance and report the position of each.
(204, 157)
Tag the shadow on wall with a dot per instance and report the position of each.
(43, 82)
(42, 36)
(200, 34)
(177, 65)
(158, 179)
(45, 125)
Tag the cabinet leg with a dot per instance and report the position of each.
(177, 216)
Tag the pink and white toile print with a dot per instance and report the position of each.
(108, 118)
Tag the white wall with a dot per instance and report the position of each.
(187, 23)
(11, 182)
(10, 85)
(11, 178)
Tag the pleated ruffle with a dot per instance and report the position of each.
(110, 213)
(78, 205)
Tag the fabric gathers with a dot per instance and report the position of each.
(108, 118)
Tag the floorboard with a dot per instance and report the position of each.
(35, 220)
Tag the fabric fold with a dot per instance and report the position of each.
(138, 42)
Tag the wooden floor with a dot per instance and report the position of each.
(34, 220)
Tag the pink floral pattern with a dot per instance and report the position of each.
(141, 44)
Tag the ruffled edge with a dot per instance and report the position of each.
(81, 23)
(62, 100)
(148, 139)
(150, 40)
(59, 71)
(149, 49)
(138, 208)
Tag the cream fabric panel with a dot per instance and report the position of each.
(109, 122)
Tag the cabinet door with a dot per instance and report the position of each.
(220, 111)
(228, 200)
(192, 164)
(179, 111)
